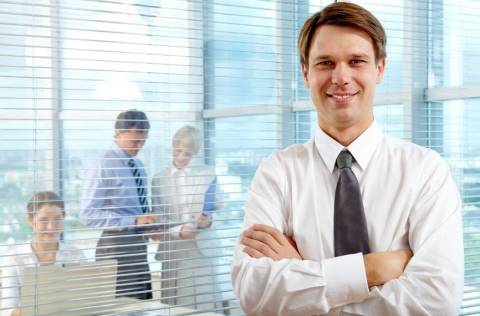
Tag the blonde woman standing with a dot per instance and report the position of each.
(179, 196)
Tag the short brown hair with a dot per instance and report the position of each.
(40, 199)
(343, 14)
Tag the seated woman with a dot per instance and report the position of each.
(184, 194)
(45, 214)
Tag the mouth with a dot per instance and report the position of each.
(342, 98)
(49, 236)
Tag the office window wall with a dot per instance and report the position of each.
(229, 68)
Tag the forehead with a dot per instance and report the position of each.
(333, 40)
(183, 144)
(134, 134)
(49, 211)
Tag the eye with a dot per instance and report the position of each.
(357, 61)
(325, 63)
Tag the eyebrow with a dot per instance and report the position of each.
(364, 56)
(324, 57)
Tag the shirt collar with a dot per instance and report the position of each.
(122, 154)
(174, 170)
(362, 148)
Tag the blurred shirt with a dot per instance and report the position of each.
(21, 256)
(110, 197)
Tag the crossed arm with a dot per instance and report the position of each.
(262, 241)
(270, 277)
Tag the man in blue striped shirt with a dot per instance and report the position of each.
(115, 199)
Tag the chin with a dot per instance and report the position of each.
(179, 165)
(49, 238)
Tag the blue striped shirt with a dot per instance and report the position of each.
(110, 198)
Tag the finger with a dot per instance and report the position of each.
(259, 246)
(265, 238)
(253, 253)
(257, 254)
(272, 231)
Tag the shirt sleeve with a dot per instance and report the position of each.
(290, 287)
(432, 283)
(10, 286)
(209, 197)
(96, 210)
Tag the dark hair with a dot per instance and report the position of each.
(343, 14)
(132, 120)
(40, 199)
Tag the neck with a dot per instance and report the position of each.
(45, 251)
(123, 149)
(345, 135)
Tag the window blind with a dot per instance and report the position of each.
(228, 68)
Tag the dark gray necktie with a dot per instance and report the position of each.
(350, 226)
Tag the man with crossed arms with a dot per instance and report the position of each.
(353, 221)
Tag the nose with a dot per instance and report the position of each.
(51, 226)
(341, 74)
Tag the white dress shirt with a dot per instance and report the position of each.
(21, 256)
(410, 201)
(178, 196)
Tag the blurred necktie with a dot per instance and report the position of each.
(350, 225)
(141, 191)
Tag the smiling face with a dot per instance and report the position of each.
(342, 74)
(47, 223)
(182, 154)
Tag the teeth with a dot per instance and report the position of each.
(342, 97)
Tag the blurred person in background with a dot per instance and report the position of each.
(185, 196)
(46, 216)
(115, 200)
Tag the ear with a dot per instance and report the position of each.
(30, 218)
(381, 69)
(305, 75)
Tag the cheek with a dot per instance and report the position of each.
(319, 81)
(177, 156)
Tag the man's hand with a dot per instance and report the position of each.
(265, 241)
(148, 219)
(382, 267)
(145, 219)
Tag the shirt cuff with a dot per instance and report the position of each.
(175, 231)
(346, 279)
(128, 222)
